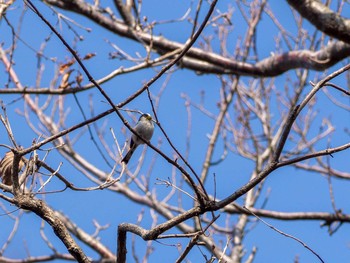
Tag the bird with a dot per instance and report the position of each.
(144, 128)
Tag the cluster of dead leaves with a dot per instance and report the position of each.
(65, 70)
(6, 168)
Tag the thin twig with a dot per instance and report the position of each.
(285, 234)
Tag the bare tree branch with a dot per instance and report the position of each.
(323, 18)
(252, 116)
(208, 62)
(46, 213)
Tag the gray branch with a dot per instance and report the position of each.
(40, 208)
(323, 18)
(203, 61)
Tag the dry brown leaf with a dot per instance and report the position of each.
(6, 168)
(64, 82)
(89, 55)
(64, 67)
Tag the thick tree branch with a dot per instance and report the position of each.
(203, 61)
(40, 208)
(271, 66)
(125, 12)
(92, 242)
(323, 18)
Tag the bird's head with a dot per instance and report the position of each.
(146, 116)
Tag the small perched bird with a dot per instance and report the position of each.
(143, 128)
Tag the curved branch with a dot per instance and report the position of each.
(149, 234)
(204, 61)
(271, 66)
(89, 240)
(323, 18)
(40, 208)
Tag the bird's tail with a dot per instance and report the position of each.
(128, 155)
